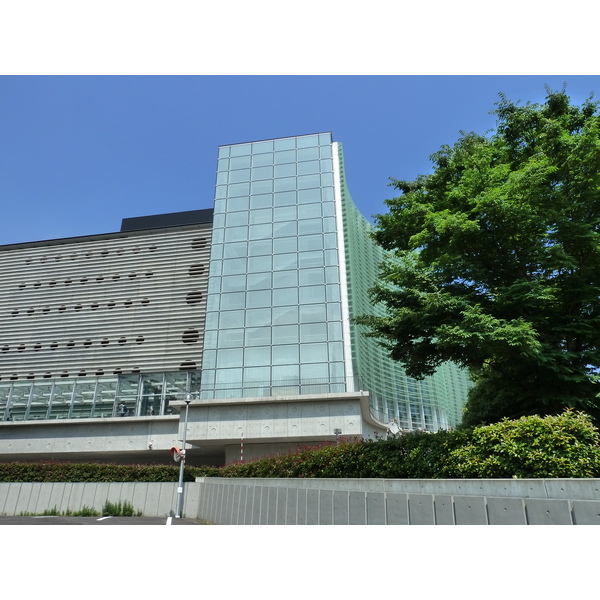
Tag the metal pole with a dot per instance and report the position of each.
(182, 466)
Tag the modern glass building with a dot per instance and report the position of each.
(291, 264)
(252, 299)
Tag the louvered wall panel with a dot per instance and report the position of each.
(104, 304)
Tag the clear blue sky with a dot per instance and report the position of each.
(79, 153)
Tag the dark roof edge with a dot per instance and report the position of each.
(178, 219)
(206, 220)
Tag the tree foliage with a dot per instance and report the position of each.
(495, 262)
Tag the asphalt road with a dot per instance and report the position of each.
(96, 521)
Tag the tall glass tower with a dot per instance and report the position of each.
(291, 264)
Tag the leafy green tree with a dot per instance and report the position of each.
(495, 262)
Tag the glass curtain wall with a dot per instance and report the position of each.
(274, 321)
(432, 403)
(142, 395)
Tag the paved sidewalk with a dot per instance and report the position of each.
(96, 521)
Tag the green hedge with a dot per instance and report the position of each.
(82, 472)
(567, 445)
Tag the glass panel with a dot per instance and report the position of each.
(314, 373)
(128, 395)
(258, 336)
(233, 283)
(105, 405)
(258, 317)
(334, 331)
(19, 401)
(84, 399)
(334, 312)
(261, 201)
(282, 279)
(307, 140)
(313, 313)
(257, 375)
(261, 160)
(264, 146)
(264, 215)
(61, 401)
(311, 211)
(175, 383)
(285, 315)
(236, 219)
(257, 356)
(259, 281)
(230, 357)
(238, 189)
(285, 244)
(234, 266)
(258, 232)
(262, 173)
(240, 149)
(260, 247)
(305, 227)
(288, 170)
(152, 394)
(237, 204)
(231, 338)
(308, 168)
(310, 242)
(228, 376)
(284, 184)
(284, 198)
(258, 264)
(236, 234)
(312, 295)
(312, 277)
(308, 154)
(239, 176)
(285, 334)
(285, 213)
(313, 332)
(286, 354)
(283, 262)
(311, 259)
(287, 156)
(239, 162)
(285, 375)
(285, 229)
(40, 400)
(231, 319)
(235, 250)
(310, 353)
(258, 299)
(4, 394)
(311, 196)
(285, 296)
(233, 300)
(261, 187)
(284, 143)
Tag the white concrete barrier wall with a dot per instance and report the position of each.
(152, 499)
(399, 502)
(330, 501)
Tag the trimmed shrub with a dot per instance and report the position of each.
(80, 472)
(566, 445)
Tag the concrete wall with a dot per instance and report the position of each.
(153, 499)
(399, 502)
(331, 501)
